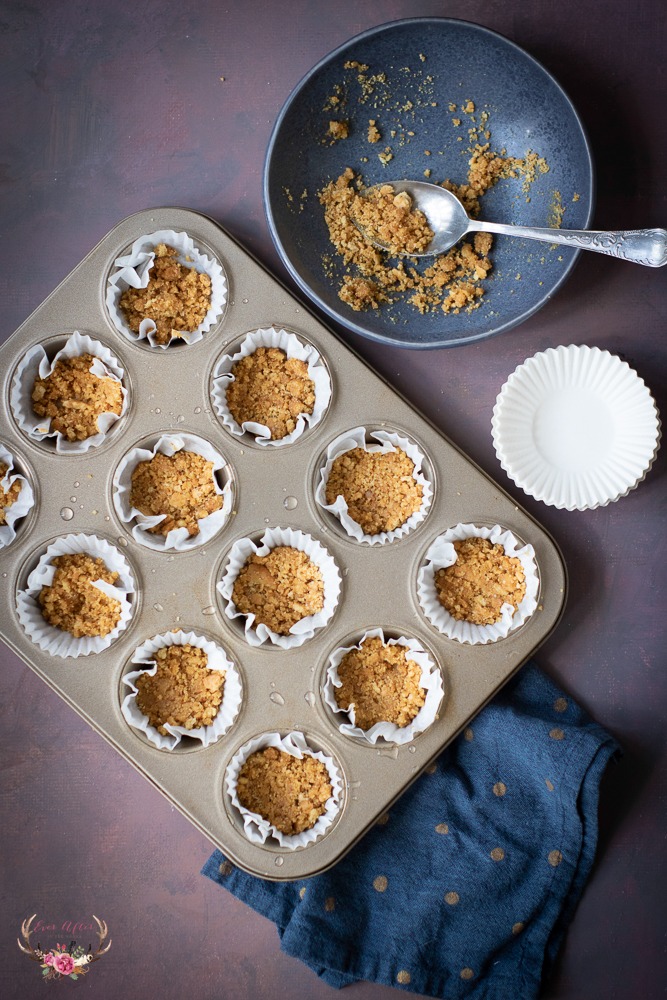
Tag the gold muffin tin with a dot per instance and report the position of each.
(169, 391)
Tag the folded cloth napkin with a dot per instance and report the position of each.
(465, 888)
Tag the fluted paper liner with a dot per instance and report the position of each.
(133, 271)
(271, 539)
(56, 641)
(387, 441)
(442, 554)
(35, 364)
(293, 348)
(144, 656)
(575, 427)
(430, 680)
(256, 828)
(23, 503)
(177, 539)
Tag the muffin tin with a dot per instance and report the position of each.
(170, 393)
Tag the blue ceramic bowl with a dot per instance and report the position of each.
(428, 63)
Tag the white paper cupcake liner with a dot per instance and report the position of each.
(177, 539)
(256, 828)
(134, 272)
(293, 348)
(430, 681)
(23, 503)
(35, 364)
(54, 640)
(388, 441)
(442, 554)
(144, 656)
(575, 427)
(271, 539)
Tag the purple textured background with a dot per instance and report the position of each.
(109, 108)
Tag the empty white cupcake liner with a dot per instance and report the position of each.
(441, 554)
(258, 829)
(145, 657)
(133, 271)
(293, 348)
(35, 364)
(388, 441)
(177, 539)
(304, 629)
(430, 681)
(575, 427)
(54, 640)
(23, 503)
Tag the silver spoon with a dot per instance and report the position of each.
(449, 221)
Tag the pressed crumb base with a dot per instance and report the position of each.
(290, 792)
(176, 298)
(271, 389)
(184, 691)
(182, 486)
(382, 684)
(280, 588)
(482, 579)
(73, 398)
(7, 497)
(378, 487)
(73, 604)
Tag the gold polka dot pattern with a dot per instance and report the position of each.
(403, 977)
(380, 883)
(499, 789)
(555, 858)
(452, 898)
(330, 904)
(442, 828)
(557, 734)
(497, 854)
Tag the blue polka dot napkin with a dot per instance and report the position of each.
(465, 888)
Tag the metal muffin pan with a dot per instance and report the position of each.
(170, 392)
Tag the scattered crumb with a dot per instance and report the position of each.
(73, 604)
(184, 691)
(182, 486)
(382, 684)
(339, 130)
(378, 488)
(481, 580)
(290, 792)
(74, 398)
(7, 496)
(373, 134)
(280, 588)
(271, 389)
(176, 298)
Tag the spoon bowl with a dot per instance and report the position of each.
(450, 222)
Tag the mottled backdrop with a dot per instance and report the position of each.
(111, 107)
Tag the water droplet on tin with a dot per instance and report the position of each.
(279, 861)
(152, 571)
(67, 513)
(353, 784)
(266, 520)
(245, 302)
(158, 607)
(73, 499)
(290, 503)
(76, 486)
(276, 698)
(94, 512)
(178, 618)
(4, 575)
(158, 410)
(170, 559)
(310, 698)
(210, 610)
(412, 749)
(122, 541)
(393, 753)
(106, 517)
(180, 418)
(80, 506)
(197, 409)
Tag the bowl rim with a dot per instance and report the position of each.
(311, 295)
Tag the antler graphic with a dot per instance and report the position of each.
(35, 955)
(101, 934)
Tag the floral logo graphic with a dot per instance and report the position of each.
(64, 961)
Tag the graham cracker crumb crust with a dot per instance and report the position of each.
(280, 588)
(74, 398)
(271, 389)
(381, 682)
(184, 691)
(176, 298)
(379, 488)
(182, 486)
(389, 218)
(482, 579)
(290, 792)
(9, 496)
(72, 604)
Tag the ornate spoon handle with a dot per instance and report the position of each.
(642, 246)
